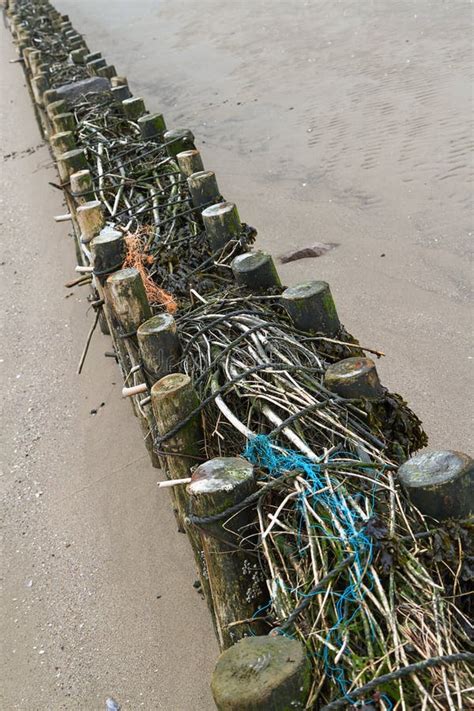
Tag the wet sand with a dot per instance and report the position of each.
(341, 122)
(97, 594)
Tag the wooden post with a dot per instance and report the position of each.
(119, 81)
(49, 96)
(234, 575)
(354, 378)
(108, 71)
(70, 162)
(63, 122)
(222, 224)
(152, 127)
(159, 346)
(178, 140)
(203, 188)
(92, 56)
(90, 217)
(95, 65)
(190, 162)
(82, 189)
(108, 249)
(440, 484)
(128, 299)
(256, 271)
(173, 398)
(78, 56)
(311, 307)
(133, 108)
(62, 142)
(262, 673)
(39, 84)
(121, 93)
(56, 107)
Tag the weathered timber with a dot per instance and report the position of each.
(159, 346)
(190, 162)
(354, 378)
(178, 140)
(234, 574)
(133, 108)
(222, 224)
(256, 271)
(440, 484)
(128, 299)
(63, 122)
(90, 217)
(262, 674)
(203, 188)
(152, 127)
(311, 307)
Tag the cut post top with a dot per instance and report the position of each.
(223, 474)
(169, 386)
(434, 468)
(157, 324)
(353, 378)
(311, 307)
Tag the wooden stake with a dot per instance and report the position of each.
(95, 65)
(62, 142)
(70, 162)
(128, 299)
(311, 307)
(81, 182)
(159, 346)
(108, 71)
(203, 188)
(90, 217)
(222, 223)
(63, 122)
(234, 574)
(440, 484)
(133, 108)
(262, 673)
(152, 127)
(108, 249)
(354, 378)
(256, 271)
(178, 140)
(121, 93)
(190, 162)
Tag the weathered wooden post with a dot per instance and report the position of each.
(70, 162)
(92, 56)
(235, 579)
(108, 253)
(95, 65)
(62, 142)
(108, 71)
(63, 122)
(78, 56)
(128, 303)
(39, 84)
(133, 108)
(152, 127)
(262, 674)
(82, 189)
(91, 219)
(203, 188)
(121, 93)
(173, 399)
(354, 378)
(440, 484)
(311, 307)
(190, 162)
(159, 346)
(222, 224)
(178, 140)
(255, 271)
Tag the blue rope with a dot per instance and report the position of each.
(344, 523)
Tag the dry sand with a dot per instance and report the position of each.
(97, 594)
(332, 121)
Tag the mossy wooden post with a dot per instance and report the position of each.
(128, 299)
(92, 56)
(173, 399)
(62, 142)
(311, 308)
(354, 378)
(222, 224)
(96, 64)
(63, 122)
(91, 219)
(152, 127)
(133, 108)
(39, 84)
(262, 674)
(159, 346)
(126, 296)
(178, 140)
(190, 162)
(78, 56)
(49, 96)
(234, 574)
(203, 188)
(107, 72)
(70, 162)
(440, 484)
(120, 93)
(256, 271)
(119, 81)
(108, 252)
(81, 185)
(56, 107)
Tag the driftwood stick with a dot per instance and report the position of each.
(88, 340)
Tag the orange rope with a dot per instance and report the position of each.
(137, 258)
